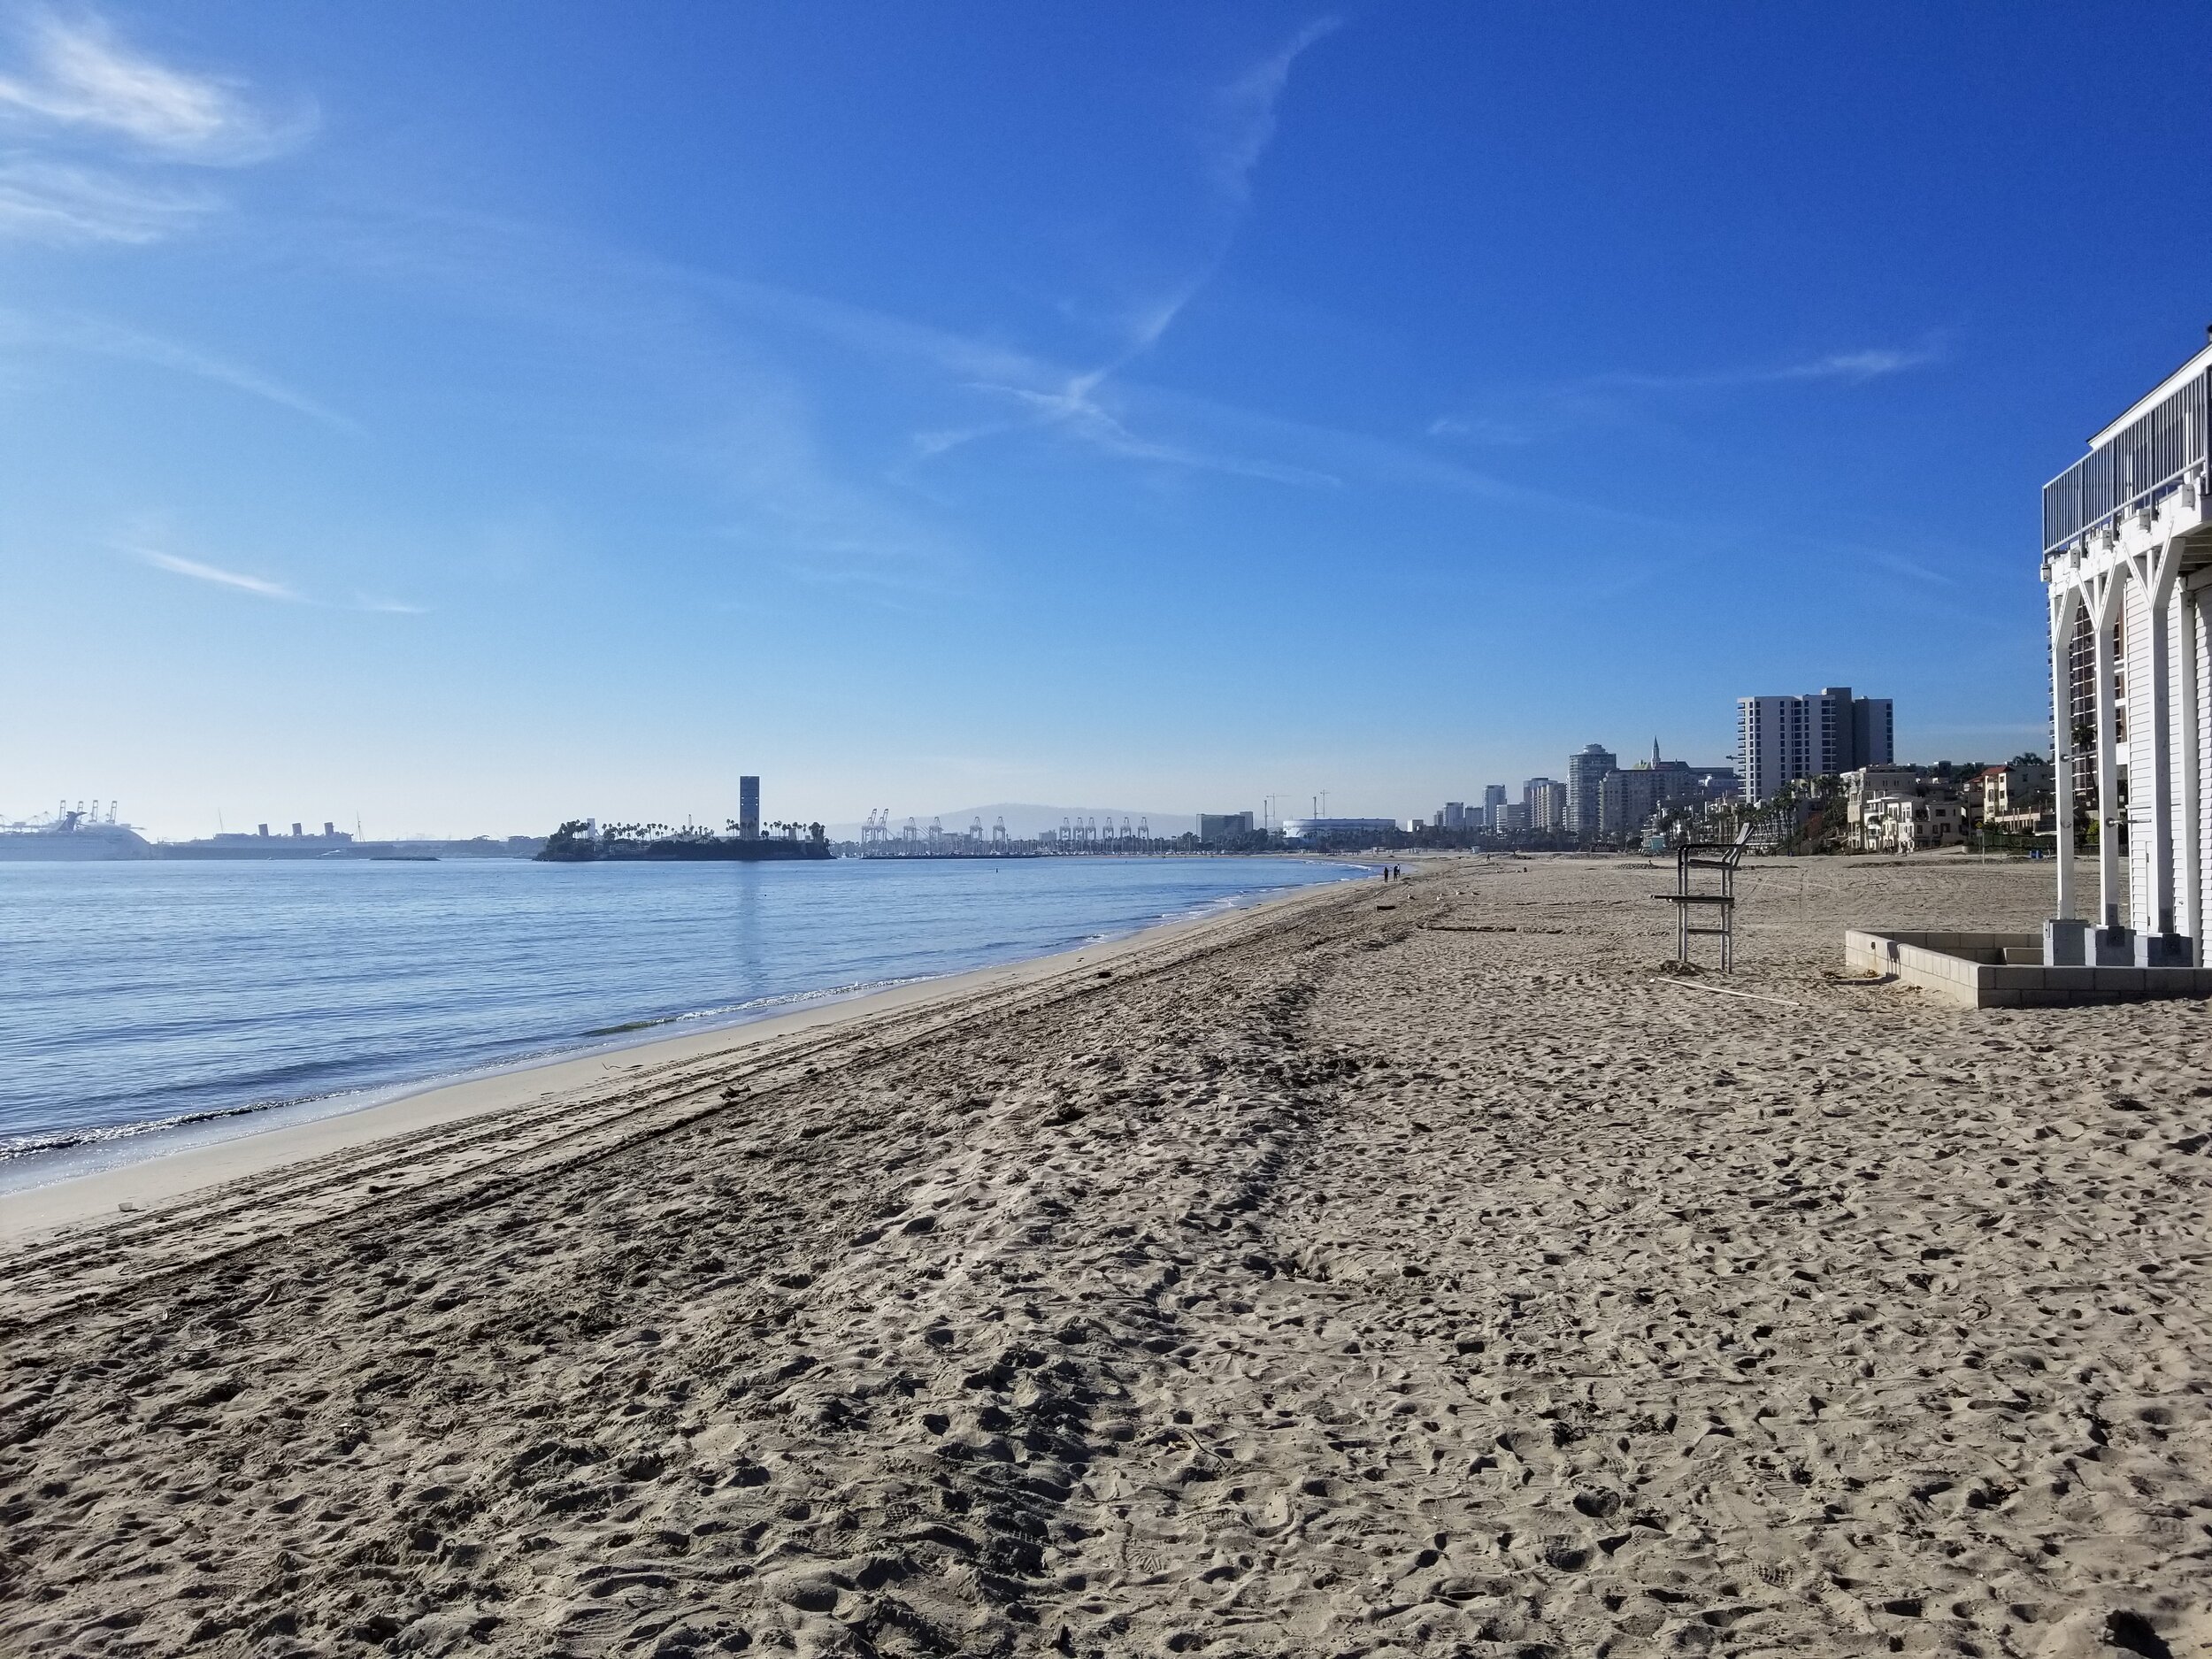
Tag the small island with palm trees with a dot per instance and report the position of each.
(583, 840)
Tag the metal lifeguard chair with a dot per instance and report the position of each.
(1718, 899)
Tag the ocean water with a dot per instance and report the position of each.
(147, 1005)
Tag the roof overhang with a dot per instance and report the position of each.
(2157, 394)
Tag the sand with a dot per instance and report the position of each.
(1405, 1270)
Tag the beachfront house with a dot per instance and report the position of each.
(2015, 796)
(2127, 562)
(1911, 823)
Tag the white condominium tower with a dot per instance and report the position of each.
(1586, 769)
(1781, 740)
(2127, 560)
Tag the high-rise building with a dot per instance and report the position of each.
(1493, 798)
(1585, 772)
(1545, 800)
(1626, 799)
(748, 808)
(1826, 733)
(1455, 815)
(1220, 826)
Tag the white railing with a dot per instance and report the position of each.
(2144, 461)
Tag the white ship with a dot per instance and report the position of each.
(76, 834)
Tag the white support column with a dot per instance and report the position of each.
(2189, 837)
(2110, 589)
(2152, 737)
(2064, 603)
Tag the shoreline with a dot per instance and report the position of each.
(1408, 1270)
(147, 1183)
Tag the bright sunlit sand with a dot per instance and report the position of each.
(1403, 1269)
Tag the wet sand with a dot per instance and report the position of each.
(1398, 1270)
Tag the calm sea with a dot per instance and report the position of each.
(147, 1005)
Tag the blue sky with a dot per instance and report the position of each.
(462, 416)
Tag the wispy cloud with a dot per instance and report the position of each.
(1075, 411)
(259, 587)
(1853, 367)
(199, 572)
(1240, 127)
(1230, 439)
(788, 509)
(1244, 111)
(25, 331)
(1903, 566)
(62, 203)
(77, 76)
(96, 123)
(1530, 414)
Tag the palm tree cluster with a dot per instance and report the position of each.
(653, 831)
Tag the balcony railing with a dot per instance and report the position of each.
(2144, 461)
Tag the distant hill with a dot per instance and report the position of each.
(1026, 819)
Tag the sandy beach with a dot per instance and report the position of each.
(1390, 1270)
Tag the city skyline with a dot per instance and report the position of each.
(1171, 407)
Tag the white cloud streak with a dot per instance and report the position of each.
(1075, 413)
(1243, 126)
(1246, 110)
(93, 123)
(77, 77)
(1242, 129)
(1599, 400)
(219, 577)
(100, 338)
(1291, 452)
(61, 202)
(1853, 367)
(260, 586)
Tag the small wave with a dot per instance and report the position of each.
(20, 1147)
(27, 1146)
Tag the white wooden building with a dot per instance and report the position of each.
(2127, 560)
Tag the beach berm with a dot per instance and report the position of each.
(1403, 1269)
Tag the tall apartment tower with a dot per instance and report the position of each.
(1781, 740)
(1586, 771)
(1546, 802)
(748, 808)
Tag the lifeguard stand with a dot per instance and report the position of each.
(1695, 895)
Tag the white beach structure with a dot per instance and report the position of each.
(2127, 559)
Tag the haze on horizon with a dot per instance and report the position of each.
(468, 418)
